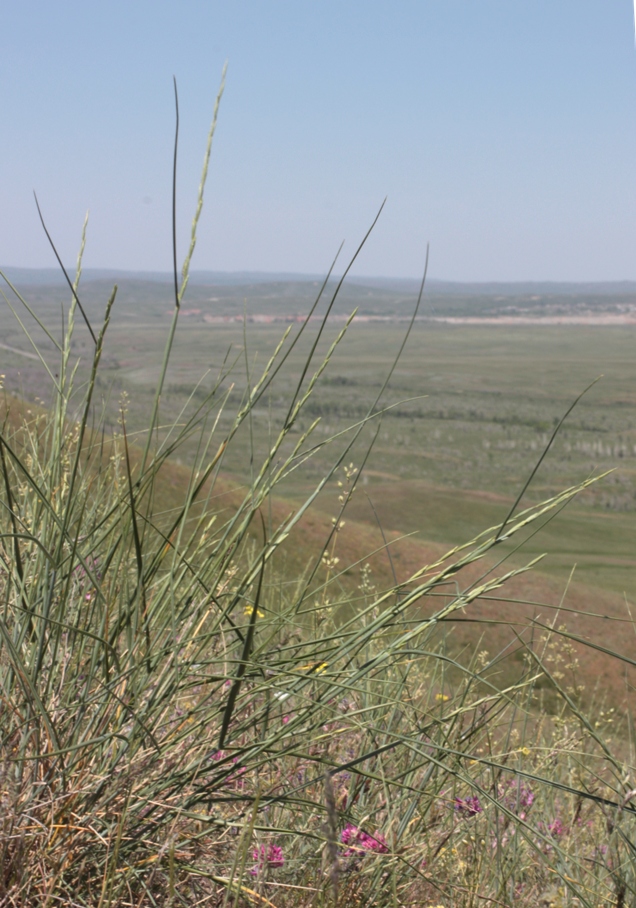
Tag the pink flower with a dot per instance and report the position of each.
(235, 777)
(469, 806)
(359, 840)
(526, 796)
(515, 795)
(556, 828)
(349, 833)
(267, 856)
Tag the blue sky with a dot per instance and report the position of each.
(502, 131)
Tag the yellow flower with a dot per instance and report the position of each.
(442, 699)
(249, 609)
(318, 667)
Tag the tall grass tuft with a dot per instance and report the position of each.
(182, 723)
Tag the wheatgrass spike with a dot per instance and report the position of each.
(177, 301)
(185, 271)
(186, 267)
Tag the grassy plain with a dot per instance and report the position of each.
(479, 404)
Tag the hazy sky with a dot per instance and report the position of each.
(503, 131)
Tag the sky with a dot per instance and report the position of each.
(502, 132)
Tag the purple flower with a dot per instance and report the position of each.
(469, 806)
(360, 840)
(556, 828)
(376, 842)
(516, 796)
(348, 833)
(526, 796)
(267, 856)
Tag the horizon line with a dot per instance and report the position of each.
(99, 273)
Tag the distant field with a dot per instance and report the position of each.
(444, 465)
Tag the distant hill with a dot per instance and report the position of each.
(226, 294)
(53, 277)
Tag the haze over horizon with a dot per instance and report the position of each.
(54, 277)
(504, 134)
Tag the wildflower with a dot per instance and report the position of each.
(469, 806)
(235, 779)
(330, 561)
(266, 857)
(348, 833)
(556, 828)
(317, 667)
(516, 796)
(360, 840)
(249, 611)
(376, 842)
(526, 796)
(442, 698)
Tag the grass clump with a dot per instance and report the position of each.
(183, 723)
